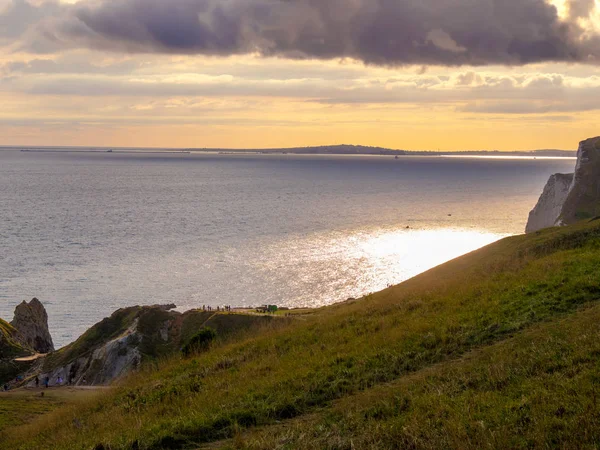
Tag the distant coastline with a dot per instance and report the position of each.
(317, 150)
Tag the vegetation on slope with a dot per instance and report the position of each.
(9, 347)
(18, 407)
(399, 364)
(9, 350)
(539, 389)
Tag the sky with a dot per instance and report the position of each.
(403, 74)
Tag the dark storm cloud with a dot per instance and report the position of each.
(386, 32)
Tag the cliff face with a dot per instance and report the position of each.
(118, 344)
(549, 206)
(583, 201)
(567, 199)
(31, 323)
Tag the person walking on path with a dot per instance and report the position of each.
(47, 382)
(37, 382)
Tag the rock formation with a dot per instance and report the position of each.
(567, 199)
(583, 201)
(549, 206)
(31, 325)
(130, 336)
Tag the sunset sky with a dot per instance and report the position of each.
(406, 74)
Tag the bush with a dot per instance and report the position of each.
(199, 342)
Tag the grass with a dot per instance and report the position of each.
(539, 389)
(22, 406)
(406, 365)
(10, 349)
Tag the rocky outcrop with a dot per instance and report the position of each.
(549, 206)
(31, 325)
(583, 201)
(120, 343)
(99, 366)
(566, 199)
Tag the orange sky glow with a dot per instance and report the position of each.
(125, 94)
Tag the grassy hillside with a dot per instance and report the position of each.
(497, 348)
(10, 349)
(20, 406)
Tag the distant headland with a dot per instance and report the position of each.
(341, 149)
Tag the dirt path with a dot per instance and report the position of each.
(31, 358)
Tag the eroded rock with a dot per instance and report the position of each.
(568, 198)
(31, 325)
(549, 206)
(120, 343)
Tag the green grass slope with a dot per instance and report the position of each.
(9, 347)
(21, 406)
(493, 349)
(538, 389)
(9, 350)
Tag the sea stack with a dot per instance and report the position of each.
(31, 324)
(568, 198)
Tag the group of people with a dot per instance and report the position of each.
(46, 381)
(59, 381)
(219, 308)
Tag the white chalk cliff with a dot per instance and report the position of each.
(568, 198)
(549, 206)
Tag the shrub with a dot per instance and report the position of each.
(199, 342)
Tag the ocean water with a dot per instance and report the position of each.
(88, 233)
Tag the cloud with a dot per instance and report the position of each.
(581, 8)
(383, 32)
(18, 15)
(473, 91)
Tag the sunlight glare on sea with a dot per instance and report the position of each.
(350, 264)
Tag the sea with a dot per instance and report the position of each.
(88, 232)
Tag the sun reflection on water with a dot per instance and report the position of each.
(335, 266)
